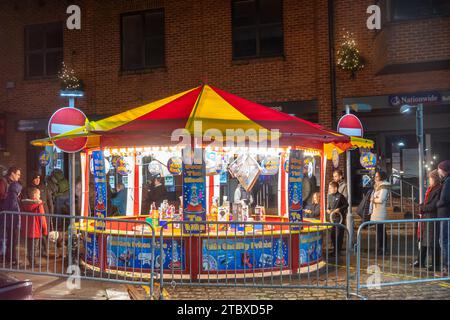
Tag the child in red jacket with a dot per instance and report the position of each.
(34, 227)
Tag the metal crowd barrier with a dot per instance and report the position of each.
(239, 254)
(78, 247)
(400, 252)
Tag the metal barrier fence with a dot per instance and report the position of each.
(78, 247)
(223, 254)
(256, 254)
(400, 252)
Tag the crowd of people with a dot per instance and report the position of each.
(41, 195)
(51, 194)
(432, 238)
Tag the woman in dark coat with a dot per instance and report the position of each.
(12, 221)
(157, 192)
(428, 232)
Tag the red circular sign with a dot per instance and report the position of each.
(350, 125)
(65, 120)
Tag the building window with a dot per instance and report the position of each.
(143, 40)
(257, 27)
(43, 50)
(414, 9)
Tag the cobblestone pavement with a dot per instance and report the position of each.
(425, 291)
(439, 290)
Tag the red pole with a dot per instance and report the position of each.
(323, 166)
(295, 252)
(192, 258)
(103, 250)
(136, 188)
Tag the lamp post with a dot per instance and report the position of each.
(419, 134)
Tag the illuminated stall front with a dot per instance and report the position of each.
(253, 163)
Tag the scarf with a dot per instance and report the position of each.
(421, 214)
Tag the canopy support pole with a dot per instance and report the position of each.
(349, 192)
(323, 171)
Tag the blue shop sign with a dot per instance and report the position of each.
(427, 98)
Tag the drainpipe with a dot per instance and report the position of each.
(332, 63)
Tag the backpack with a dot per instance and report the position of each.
(364, 206)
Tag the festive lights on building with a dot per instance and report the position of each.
(348, 56)
(69, 80)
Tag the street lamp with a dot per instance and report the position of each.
(419, 134)
(401, 144)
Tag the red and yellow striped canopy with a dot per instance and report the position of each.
(213, 108)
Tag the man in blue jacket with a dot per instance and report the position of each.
(119, 199)
(443, 211)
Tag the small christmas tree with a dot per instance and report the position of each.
(69, 80)
(348, 56)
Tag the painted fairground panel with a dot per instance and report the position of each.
(221, 255)
(126, 253)
(310, 248)
(91, 249)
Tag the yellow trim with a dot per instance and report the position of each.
(177, 232)
(362, 143)
(354, 141)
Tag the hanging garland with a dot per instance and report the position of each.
(69, 80)
(348, 56)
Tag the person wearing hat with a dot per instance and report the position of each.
(46, 193)
(443, 211)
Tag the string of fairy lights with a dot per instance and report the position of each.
(69, 80)
(348, 56)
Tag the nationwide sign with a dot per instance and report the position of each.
(428, 98)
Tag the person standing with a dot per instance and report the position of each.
(119, 199)
(34, 228)
(338, 176)
(11, 222)
(428, 232)
(13, 175)
(378, 208)
(241, 195)
(158, 191)
(336, 209)
(443, 211)
(46, 195)
(307, 188)
(62, 194)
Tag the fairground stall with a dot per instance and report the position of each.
(205, 156)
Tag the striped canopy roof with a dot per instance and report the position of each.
(213, 108)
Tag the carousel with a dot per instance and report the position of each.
(216, 176)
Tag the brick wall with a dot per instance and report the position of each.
(198, 48)
(410, 43)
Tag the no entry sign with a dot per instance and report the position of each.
(65, 120)
(350, 125)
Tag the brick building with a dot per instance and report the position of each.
(274, 52)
